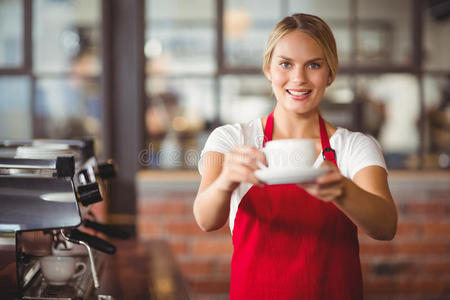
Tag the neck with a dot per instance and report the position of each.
(291, 125)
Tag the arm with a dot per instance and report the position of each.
(366, 200)
(222, 175)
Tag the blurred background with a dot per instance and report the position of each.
(150, 80)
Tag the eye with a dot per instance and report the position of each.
(314, 65)
(285, 64)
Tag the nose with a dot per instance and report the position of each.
(300, 76)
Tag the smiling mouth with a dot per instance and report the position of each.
(299, 93)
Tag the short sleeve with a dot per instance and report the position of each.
(222, 139)
(365, 151)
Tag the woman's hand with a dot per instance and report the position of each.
(239, 166)
(366, 199)
(328, 187)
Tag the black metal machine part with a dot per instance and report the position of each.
(47, 197)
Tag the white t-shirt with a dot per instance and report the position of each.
(354, 151)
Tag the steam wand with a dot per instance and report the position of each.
(91, 257)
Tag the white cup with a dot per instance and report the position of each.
(58, 270)
(290, 153)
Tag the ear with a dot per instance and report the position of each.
(330, 81)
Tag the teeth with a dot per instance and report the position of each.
(295, 93)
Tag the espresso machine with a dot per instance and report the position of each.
(47, 190)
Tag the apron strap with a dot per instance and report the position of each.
(268, 130)
(328, 153)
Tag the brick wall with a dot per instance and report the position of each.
(415, 265)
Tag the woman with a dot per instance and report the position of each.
(296, 241)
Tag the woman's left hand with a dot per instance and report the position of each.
(328, 187)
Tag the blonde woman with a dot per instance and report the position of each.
(296, 241)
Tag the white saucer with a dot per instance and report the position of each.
(289, 175)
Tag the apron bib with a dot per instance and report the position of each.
(291, 245)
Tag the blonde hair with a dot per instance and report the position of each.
(311, 25)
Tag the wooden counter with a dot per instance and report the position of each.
(143, 270)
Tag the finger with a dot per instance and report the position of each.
(306, 185)
(312, 189)
(331, 192)
(328, 164)
(250, 156)
(238, 158)
(242, 173)
(253, 152)
(327, 192)
(331, 182)
(333, 175)
(330, 195)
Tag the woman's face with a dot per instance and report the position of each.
(298, 72)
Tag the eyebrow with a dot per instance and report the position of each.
(311, 60)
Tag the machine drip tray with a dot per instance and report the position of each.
(80, 288)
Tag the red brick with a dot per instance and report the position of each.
(225, 229)
(409, 228)
(374, 248)
(441, 228)
(385, 285)
(196, 268)
(184, 228)
(178, 247)
(423, 247)
(437, 268)
(213, 247)
(183, 195)
(210, 286)
(365, 267)
(428, 208)
(405, 286)
(224, 267)
(164, 208)
(421, 285)
(149, 229)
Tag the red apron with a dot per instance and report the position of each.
(291, 245)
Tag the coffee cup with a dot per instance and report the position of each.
(58, 270)
(290, 153)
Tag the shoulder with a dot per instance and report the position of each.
(353, 140)
(356, 150)
(236, 134)
(224, 138)
(228, 130)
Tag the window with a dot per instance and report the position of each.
(204, 65)
(50, 89)
(384, 32)
(11, 34)
(204, 69)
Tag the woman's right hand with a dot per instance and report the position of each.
(239, 166)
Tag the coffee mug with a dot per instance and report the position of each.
(290, 153)
(58, 270)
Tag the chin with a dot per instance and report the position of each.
(299, 108)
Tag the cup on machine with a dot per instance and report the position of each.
(58, 270)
